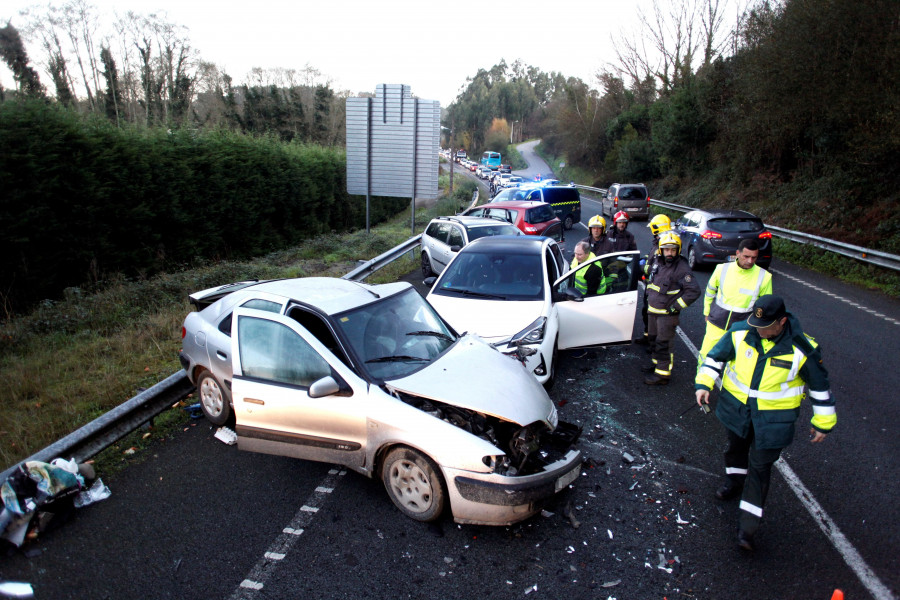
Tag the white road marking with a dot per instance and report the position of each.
(265, 567)
(837, 297)
(840, 542)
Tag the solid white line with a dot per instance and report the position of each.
(840, 542)
(853, 559)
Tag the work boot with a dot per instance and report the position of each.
(656, 379)
(648, 368)
(643, 340)
(745, 541)
(728, 491)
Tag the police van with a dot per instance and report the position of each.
(565, 200)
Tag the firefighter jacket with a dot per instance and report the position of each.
(670, 287)
(732, 291)
(621, 240)
(763, 383)
(589, 280)
(600, 247)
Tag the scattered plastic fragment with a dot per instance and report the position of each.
(610, 584)
(679, 520)
(531, 589)
(96, 493)
(194, 411)
(546, 514)
(609, 531)
(633, 485)
(627, 457)
(16, 589)
(226, 435)
(570, 549)
(131, 450)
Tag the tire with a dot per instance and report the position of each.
(692, 259)
(414, 484)
(426, 266)
(214, 402)
(567, 224)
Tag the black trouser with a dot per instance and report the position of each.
(644, 311)
(662, 330)
(748, 465)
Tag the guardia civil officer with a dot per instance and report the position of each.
(764, 364)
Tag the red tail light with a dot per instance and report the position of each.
(616, 202)
(765, 235)
(183, 332)
(711, 235)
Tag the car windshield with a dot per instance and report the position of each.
(735, 225)
(484, 231)
(396, 336)
(493, 275)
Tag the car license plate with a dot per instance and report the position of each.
(632, 209)
(568, 478)
(730, 258)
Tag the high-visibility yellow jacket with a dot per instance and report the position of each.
(590, 279)
(763, 383)
(731, 292)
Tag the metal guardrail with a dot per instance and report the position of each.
(874, 257)
(103, 432)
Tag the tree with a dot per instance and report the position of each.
(12, 50)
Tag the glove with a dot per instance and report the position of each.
(674, 310)
(643, 262)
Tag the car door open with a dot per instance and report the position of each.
(606, 318)
(277, 363)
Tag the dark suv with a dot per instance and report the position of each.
(633, 198)
(712, 236)
(445, 236)
(565, 200)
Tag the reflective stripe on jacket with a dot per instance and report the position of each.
(732, 291)
(763, 383)
(671, 286)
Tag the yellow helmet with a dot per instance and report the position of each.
(660, 224)
(597, 221)
(669, 239)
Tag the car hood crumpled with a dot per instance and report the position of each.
(494, 321)
(473, 375)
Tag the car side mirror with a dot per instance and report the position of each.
(455, 248)
(429, 281)
(327, 386)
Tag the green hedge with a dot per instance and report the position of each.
(83, 199)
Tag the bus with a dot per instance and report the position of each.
(491, 159)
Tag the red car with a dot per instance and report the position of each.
(533, 218)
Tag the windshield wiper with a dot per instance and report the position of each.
(473, 293)
(434, 333)
(398, 358)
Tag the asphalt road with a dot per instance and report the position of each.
(196, 518)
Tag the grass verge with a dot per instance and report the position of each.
(69, 361)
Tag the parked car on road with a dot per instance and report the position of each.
(633, 198)
(532, 218)
(514, 181)
(509, 194)
(505, 169)
(445, 236)
(710, 237)
(372, 378)
(518, 292)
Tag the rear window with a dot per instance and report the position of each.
(735, 225)
(477, 232)
(540, 214)
(561, 195)
(632, 193)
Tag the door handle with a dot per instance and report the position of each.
(254, 401)
(221, 355)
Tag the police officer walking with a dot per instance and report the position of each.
(764, 364)
(731, 292)
(671, 287)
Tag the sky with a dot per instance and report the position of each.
(357, 44)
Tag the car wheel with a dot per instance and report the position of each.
(413, 483)
(568, 222)
(213, 401)
(692, 259)
(426, 266)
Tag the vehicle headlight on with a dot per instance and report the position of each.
(533, 334)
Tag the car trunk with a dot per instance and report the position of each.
(734, 230)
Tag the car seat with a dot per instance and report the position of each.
(380, 338)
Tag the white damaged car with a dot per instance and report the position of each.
(371, 377)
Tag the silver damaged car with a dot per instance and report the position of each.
(370, 377)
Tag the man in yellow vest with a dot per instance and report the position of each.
(589, 280)
(731, 292)
(765, 365)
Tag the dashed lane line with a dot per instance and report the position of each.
(872, 312)
(260, 574)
